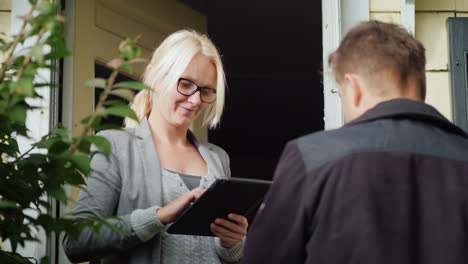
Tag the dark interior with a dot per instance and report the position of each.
(101, 71)
(272, 52)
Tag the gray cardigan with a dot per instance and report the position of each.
(130, 186)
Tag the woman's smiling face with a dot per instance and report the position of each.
(180, 110)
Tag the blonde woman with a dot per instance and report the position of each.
(158, 167)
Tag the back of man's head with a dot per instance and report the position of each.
(373, 49)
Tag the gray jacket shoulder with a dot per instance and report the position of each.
(120, 140)
(114, 135)
(384, 135)
(318, 148)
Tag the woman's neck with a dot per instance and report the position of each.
(163, 132)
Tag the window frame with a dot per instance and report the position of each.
(458, 66)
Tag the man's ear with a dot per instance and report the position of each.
(353, 88)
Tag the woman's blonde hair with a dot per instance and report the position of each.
(168, 63)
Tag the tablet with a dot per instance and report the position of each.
(234, 195)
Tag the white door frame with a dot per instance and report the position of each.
(408, 19)
(331, 33)
(338, 16)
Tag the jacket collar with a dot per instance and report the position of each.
(410, 109)
(143, 132)
(151, 165)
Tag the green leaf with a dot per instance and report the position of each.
(74, 178)
(131, 85)
(46, 8)
(13, 258)
(55, 27)
(123, 111)
(45, 260)
(8, 150)
(13, 145)
(60, 131)
(46, 221)
(81, 162)
(115, 103)
(57, 192)
(123, 93)
(99, 127)
(30, 70)
(18, 99)
(45, 84)
(4, 88)
(58, 147)
(137, 51)
(59, 49)
(46, 143)
(37, 159)
(98, 83)
(37, 52)
(7, 204)
(24, 86)
(17, 62)
(126, 66)
(86, 119)
(85, 145)
(18, 113)
(101, 143)
(127, 53)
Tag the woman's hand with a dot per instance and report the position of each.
(168, 213)
(230, 231)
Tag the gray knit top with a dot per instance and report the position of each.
(181, 249)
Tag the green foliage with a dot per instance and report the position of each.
(58, 159)
(131, 85)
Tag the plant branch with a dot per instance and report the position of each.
(26, 153)
(28, 58)
(102, 100)
(12, 49)
(23, 66)
(33, 147)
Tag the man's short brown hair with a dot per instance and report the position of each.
(373, 46)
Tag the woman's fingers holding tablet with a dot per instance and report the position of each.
(197, 192)
(240, 220)
(168, 213)
(230, 231)
(233, 226)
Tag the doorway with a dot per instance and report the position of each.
(272, 54)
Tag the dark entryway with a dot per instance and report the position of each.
(272, 51)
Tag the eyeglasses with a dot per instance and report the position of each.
(188, 88)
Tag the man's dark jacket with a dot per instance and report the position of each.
(389, 187)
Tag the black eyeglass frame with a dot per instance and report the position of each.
(199, 88)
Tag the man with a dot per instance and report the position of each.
(390, 186)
